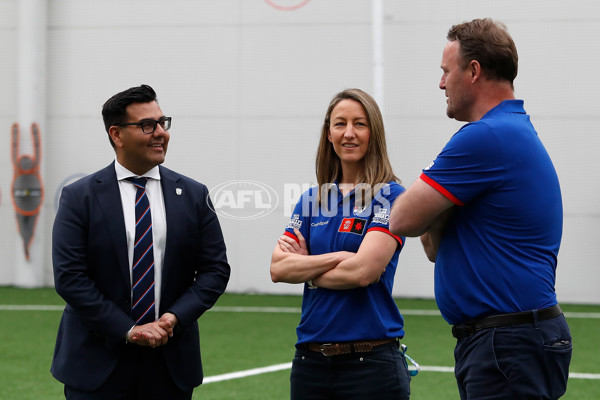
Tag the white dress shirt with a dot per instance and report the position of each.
(159, 220)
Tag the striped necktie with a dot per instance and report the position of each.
(142, 309)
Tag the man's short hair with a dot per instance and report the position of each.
(489, 43)
(114, 110)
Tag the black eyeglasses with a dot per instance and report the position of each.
(149, 125)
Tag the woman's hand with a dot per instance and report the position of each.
(289, 245)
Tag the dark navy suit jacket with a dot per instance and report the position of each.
(91, 273)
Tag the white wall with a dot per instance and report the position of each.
(247, 86)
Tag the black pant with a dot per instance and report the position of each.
(528, 361)
(140, 374)
(381, 374)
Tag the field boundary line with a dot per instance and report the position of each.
(30, 307)
(578, 375)
(248, 372)
(279, 367)
(288, 365)
(293, 310)
(283, 310)
(298, 310)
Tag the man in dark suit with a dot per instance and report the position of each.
(105, 349)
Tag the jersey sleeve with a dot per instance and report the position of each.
(300, 218)
(469, 164)
(382, 205)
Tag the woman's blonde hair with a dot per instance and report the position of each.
(377, 169)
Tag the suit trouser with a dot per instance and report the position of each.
(528, 361)
(141, 373)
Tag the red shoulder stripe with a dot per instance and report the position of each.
(441, 189)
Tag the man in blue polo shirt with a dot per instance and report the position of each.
(489, 213)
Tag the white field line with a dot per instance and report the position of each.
(284, 366)
(297, 310)
(577, 375)
(248, 372)
(278, 367)
(32, 307)
(285, 310)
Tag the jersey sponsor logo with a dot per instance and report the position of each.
(295, 222)
(382, 216)
(315, 224)
(353, 225)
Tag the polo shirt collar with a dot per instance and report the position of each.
(506, 106)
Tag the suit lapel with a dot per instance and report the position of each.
(109, 199)
(174, 194)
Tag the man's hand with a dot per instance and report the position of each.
(153, 334)
(150, 334)
(168, 322)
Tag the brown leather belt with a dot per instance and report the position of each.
(519, 318)
(336, 349)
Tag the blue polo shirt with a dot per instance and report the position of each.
(499, 251)
(341, 225)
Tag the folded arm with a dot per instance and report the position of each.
(363, 268)
(422, 211)
(415, 210)
(337, 270)
(432, 238)
(291, 263)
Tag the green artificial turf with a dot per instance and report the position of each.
(239, 341)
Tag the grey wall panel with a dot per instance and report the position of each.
(247, 85)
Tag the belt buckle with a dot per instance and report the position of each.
(324, 348)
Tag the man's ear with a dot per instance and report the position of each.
(115, 135)
(475, 70)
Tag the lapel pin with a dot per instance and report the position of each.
(178, 191)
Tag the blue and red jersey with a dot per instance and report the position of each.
(341, 225)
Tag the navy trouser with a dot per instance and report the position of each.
(381, 374)
(141, 374)
(529, 361)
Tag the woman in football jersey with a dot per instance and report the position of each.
(338, 245)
